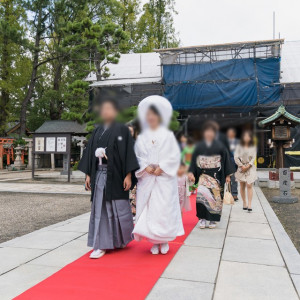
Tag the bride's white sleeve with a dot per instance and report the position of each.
(142, 155)
(169, 156)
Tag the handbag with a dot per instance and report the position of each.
(228, 198)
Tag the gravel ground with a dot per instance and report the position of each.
(288, 214)
(8, 175)
(24, 213)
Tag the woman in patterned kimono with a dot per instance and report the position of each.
(211, 168)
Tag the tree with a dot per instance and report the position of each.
(128, 20)
(39, 26)
(156, 28)
(61, 70)
(11, 39)
(47, 49)
(100, 44)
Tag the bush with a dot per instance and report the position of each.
(20, 142)
(75, 166)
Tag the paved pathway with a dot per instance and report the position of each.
(249, 256)
(243, 259)
(29, 259)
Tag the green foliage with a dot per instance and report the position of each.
(20, 142)
(75, 166)
(99, 43)
(12, 76)
(75, 38)
(128, 15)
(128, 114)
(72, 116)
(193, 187)
(156, 29)
(90, 126)
(174, 124)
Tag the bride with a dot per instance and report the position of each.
(158, 216)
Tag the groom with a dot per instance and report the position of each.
(108, 162)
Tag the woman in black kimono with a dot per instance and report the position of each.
(108, 162)
(211, 168)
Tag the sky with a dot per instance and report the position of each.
(202, 22)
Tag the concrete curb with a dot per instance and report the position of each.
(289, 252)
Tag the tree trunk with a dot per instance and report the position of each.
(124, 21)
(98, 68)
(4, 100)
(56, 105)
(160, 9)
(33, 77)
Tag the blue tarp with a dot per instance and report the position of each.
(232, 83)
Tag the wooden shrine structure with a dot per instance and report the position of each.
(280, 124)
(6, 149)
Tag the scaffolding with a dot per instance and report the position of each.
(221, 52)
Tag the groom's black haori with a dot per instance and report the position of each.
(121, 159)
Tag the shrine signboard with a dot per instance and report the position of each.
(53, 143)
(281, 132)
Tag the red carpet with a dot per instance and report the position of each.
(129, 273)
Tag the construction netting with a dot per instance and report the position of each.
(240, 84)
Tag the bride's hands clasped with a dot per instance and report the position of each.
(158, 171)
(150, 170)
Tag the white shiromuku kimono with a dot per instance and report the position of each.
(158, 214)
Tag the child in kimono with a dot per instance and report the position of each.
(183, 189)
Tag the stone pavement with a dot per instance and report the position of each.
(31, 258)
(249, 256)
(244, 258)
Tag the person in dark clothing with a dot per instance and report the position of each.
(109, 162)
(210, 168)
(233, 143)
(220, 136)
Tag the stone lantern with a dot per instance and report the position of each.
(18, 163)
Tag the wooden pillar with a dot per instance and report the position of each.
(8, 158)
(280, 155)
(1, 157)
